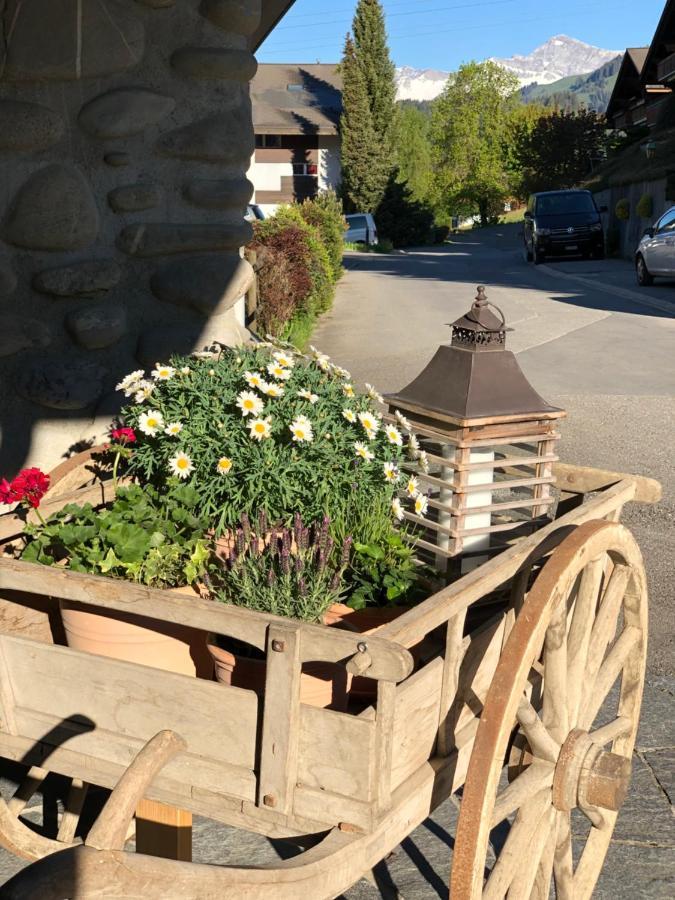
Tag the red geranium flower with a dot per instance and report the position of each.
(7, 495)
(30, 485)
(123, 435)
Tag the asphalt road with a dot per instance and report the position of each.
(583, 340)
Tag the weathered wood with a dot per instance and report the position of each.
(583, 480)
(452, 661)
(415, 721)
(333, 752)
(164, 831)
(281, 719)
(72, 810)
(383, 746)
(30, 785)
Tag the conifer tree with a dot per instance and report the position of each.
(362, 181)
(372, 52)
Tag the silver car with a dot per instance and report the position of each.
(361, 229)
(655, 254)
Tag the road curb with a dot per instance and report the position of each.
(653, 302)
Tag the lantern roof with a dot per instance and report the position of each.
(474, 378)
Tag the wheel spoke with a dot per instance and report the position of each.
(618, 728)
(604, 627)
(516, 846)
(72, 810)
(595, 816)
(28, 787)
(541, 743)
(542, 884)
(526, 874)
(563, 866)
(608, 673)
(555, 675)
(580, 633)
(533, 780)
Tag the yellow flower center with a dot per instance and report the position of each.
(152, 423)
(182, 463)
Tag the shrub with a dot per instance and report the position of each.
(622, 209)
(645, 206)
(284, 277)
(441, 233)
(318, 261)
(324, 212)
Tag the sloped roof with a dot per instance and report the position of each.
(638, 55)
(662, 43)
(271, 12)
(627, 86)
(296, 99)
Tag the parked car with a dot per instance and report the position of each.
(655, 254)
(253, 212)
(559, 223)
(361, 229)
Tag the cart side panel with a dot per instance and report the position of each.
(416, 721)
(333, 752)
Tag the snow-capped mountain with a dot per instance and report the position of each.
(559, 57)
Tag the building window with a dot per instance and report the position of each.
(268, 140)
(295, 88)
(305, 169)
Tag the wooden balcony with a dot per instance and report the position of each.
(665, 70)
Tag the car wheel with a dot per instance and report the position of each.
(537, 257)
(644, 278)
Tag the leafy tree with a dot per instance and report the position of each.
(364, 166)
(469, 128)
(522, 122)
(412, 150)
(560, 150)
(372, 52)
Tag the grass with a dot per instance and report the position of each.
(384, 246)
(515, 215)
(299, 330)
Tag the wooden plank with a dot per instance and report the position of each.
(543, 470)
(413, 625)
(131, 700)
(387, 661)
(583, 480)
(452, 660)
(415, 722)
(163, 831)
(487, 423)
(281, 719)
(333, 752)
(381, 759)
(493, 507)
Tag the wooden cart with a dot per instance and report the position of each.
(524, 689)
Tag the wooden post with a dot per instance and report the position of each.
(252, 292)
(163, 830)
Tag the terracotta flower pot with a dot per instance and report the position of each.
(137, 639)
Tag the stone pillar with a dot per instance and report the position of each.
(125, 137)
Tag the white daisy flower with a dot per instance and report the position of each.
(308, 395)
(254, 379)
(144, 391)
(260, 428)
(212, 371)
(185, 370)
(373, 394)
(370, 434)
(402, 421)
(413, 446)
(348, 390)
(343, 373)
(129, 383)
(301, 429)
(421, 504)
(151, 422)
(370, 422)
(423, 461)
(302, 418)
(248, 402)
(317, 354)
(162, 373)
(349, 415)
(173, 428)
(412, 487)
(363, 451)
(391, 473)
(181, 465)
(278, 371)
(394, 436)
(284, 359)
(397, 509)
(271, 389)
(224, 465)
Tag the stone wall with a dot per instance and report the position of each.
(125, 136)
(632, 230)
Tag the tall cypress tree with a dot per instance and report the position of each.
(372, 52)
(361, 152)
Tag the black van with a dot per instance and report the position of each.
(563, 223)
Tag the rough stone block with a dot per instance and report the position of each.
(224, 193)
(157, 4)
(134, 197)
(124, 112)
(226, 137)
(60, 382)
(7, 278)
(241, 16)
(28, 126)
(89, 277)
(66, 40)
(18, 333)
(94, 327)
(159, 239)
(117, 159)
(209, 284)
(214, 62)
(165, 340)
(53, 210)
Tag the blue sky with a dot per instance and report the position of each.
(441, 34)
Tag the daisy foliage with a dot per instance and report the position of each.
(275, 422)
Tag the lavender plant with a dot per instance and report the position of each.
(296, 571)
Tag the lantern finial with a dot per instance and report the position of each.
(481, 298)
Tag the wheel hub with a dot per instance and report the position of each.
(588, 776)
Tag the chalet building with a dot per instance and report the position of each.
(296, 114)
(646, 79)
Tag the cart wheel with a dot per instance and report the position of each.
(582, 627)
(20, 837)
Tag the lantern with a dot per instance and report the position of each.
(483, 446)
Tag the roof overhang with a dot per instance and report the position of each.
(272, 12)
